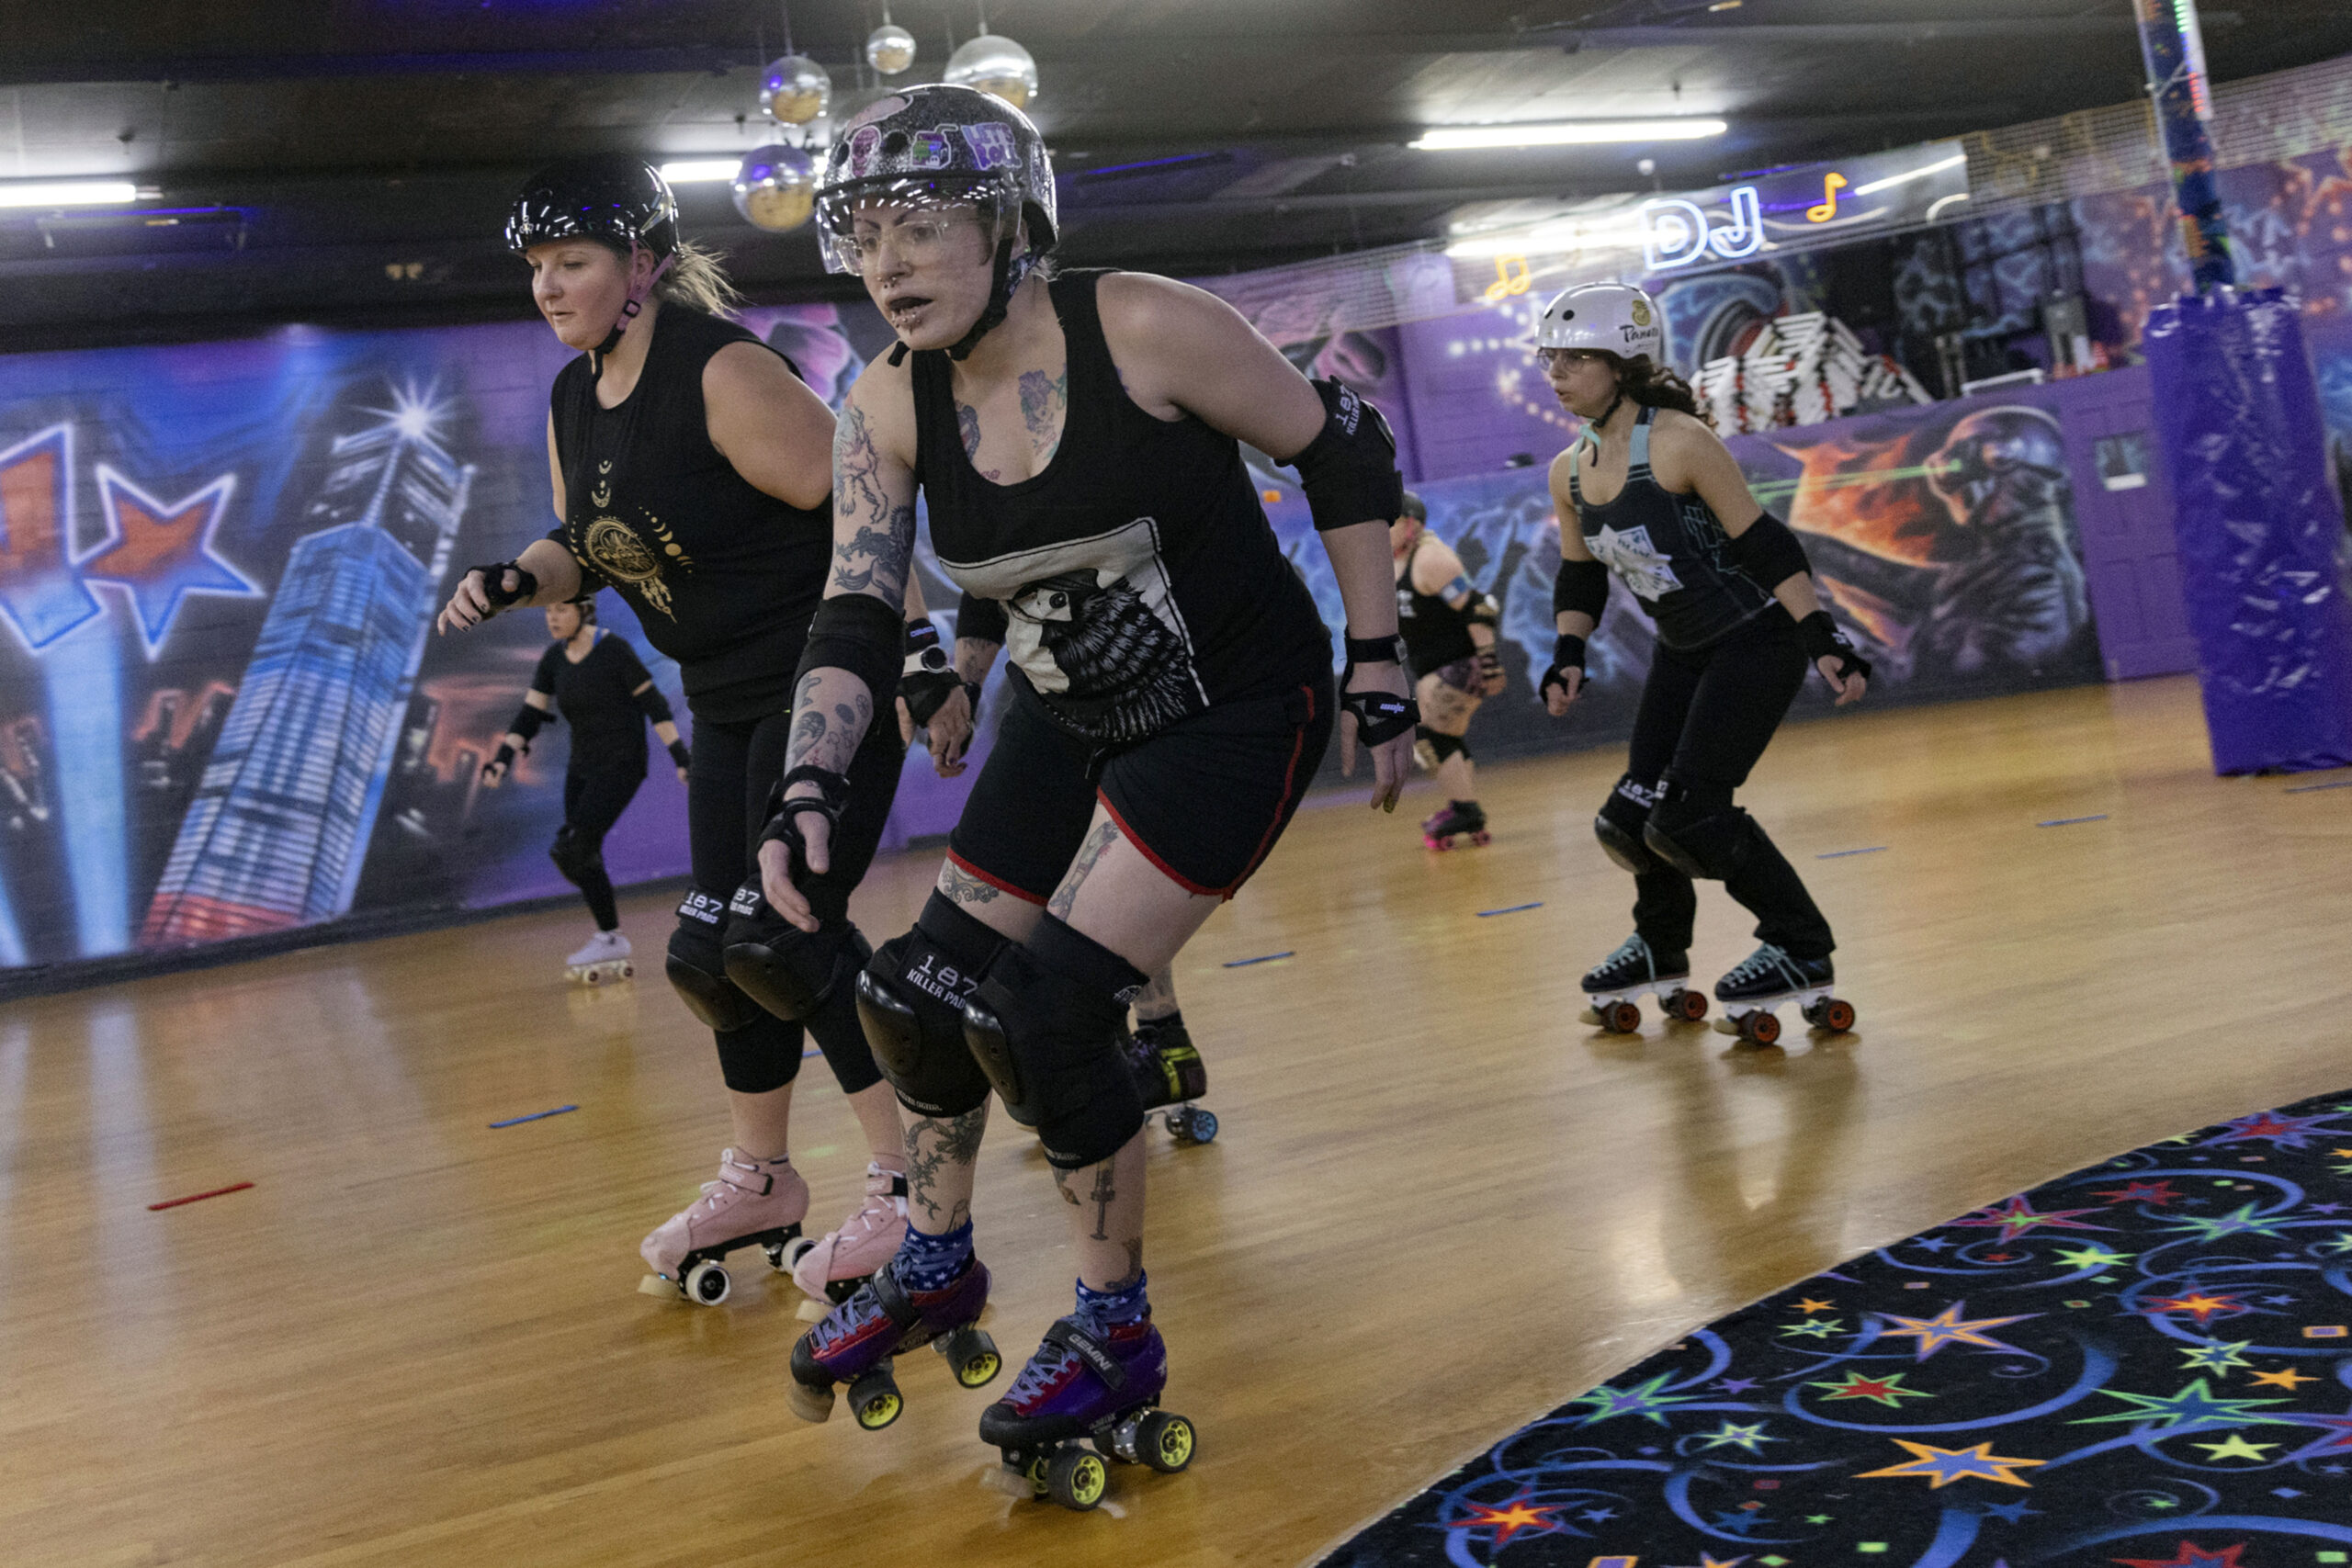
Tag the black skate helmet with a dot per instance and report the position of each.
(614, 199)
(944, 146)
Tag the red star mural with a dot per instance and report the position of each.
(1508, 1520)
(2190, 1555)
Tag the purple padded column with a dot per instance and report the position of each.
(2238, 413)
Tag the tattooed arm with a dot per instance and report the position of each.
(873, 542)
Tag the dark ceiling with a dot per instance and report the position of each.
(351, 160)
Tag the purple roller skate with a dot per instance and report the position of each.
(1087, 1382)
(859, 1339)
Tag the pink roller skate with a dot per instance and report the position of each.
(1461, 819)
(830, 1271)
(754, 1202)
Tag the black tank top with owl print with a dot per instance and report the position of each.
(1140, 580)
(1670, 549)
(722, 576)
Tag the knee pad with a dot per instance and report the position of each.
(1700, 835)
(910, 1000)
(1045, 1029)
(790, 972)
(698, 967)
(575, 857)
(1440, 746)
(1619, 827)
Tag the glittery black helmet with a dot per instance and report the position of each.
(941, 145)
(613, 197)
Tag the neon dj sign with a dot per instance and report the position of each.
(1678, 232)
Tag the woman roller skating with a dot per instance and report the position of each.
(1075, 439)
(690, 473)
(597, 684)
(1449, 630)
(1651, 495)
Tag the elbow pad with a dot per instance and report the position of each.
(1768, 553)
(655, 705)
(1484, 610)
(858, 633)
(982, 620)
(526, 723)
(1582, 588)
(1349, 471)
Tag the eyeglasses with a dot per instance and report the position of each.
(1561, 358)
(918, 242)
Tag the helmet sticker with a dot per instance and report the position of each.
(930, 149)
(992, 145)
(1641, 309)
(861, 149)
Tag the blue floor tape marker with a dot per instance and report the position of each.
(1514, 910)
(534, 1116)
(1268, 958)
(1841, 854)
(2306, 789)
(2070, 821)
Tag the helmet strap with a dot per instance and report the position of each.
(1614, 404)
(1009, 275)
(630, 307)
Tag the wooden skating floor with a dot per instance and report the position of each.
(1439, 1206)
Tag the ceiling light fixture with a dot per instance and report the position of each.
(1467, 137)
(1956, 162)
(66, 193)
(701, 171)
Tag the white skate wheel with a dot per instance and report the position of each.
(708, 1284)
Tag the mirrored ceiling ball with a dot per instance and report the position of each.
(776, 187)
(997, 66)
(795, 90)
(890, 49)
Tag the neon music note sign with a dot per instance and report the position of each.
(1827, 207)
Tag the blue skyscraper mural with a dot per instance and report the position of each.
(280, 823)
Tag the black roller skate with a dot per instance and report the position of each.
(859, 1339)
(1460, 820)
(1637, 970)
(1168, 1072)
(1768, 978)
(1087, 1383)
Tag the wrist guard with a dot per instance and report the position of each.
(1818, 634)
(926, 677)
(1373, 650)
(1490, 663)
(502, 758)
(680, 755)
(493, 580)
(784, 811)
(1567, 654)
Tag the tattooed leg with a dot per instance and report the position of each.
(986, 903)
(1106, 1211)
(940, 1152)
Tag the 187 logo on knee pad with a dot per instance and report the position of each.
(700, 906)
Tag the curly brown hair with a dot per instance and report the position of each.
(1652, 385)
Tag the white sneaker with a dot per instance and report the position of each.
(602, 948)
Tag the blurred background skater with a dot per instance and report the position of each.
(1448, 629)
(691, 468)
(597, 683)
(1168, 1068)
(1651, 495)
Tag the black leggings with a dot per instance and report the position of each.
(734, 767)
(1705, 718)
(593, 802)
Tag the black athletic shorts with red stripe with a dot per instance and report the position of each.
(1204, 799)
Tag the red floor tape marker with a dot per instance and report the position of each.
(200, 1197)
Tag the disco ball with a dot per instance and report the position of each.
(997, 66)
(775, 187)
(795, 90)
(890, 49)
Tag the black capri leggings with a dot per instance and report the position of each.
(733, 768)
(1705, 719)
(592, 801)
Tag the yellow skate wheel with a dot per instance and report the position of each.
(875, 1400)
(975, 1369)
(1076, 1478)
(1164, 1443)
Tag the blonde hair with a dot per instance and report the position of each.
(696, 281)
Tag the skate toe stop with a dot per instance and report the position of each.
(809, 1404)
(1011, 1482)
(812, 1310)
(654, 1285)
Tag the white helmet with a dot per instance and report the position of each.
(1615, 317)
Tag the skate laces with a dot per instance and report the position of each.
(1765, 960)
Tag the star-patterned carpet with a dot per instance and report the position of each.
(2147, 1364)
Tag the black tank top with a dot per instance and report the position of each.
(1669, 549)
(1436, 633)
(1141, 581)
(723, 577)
(593, 697)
